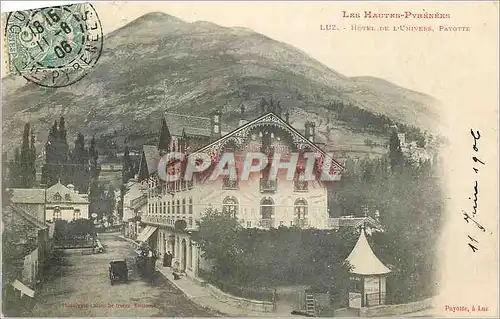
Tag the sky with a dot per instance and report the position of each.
(458, 68)
(394, 56)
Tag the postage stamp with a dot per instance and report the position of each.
(54, 46)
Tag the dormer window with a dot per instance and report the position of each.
(57, 197)
(67, 197)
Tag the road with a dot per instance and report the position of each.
(79, 286)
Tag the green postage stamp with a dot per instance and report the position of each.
(54, 46)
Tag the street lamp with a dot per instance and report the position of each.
(93, 221)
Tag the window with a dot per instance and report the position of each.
(190, 205)
(266, 208)
(298, 184)
(230, 182)
(67, 197)
(57, 213)
(77, 214)
(57, 197)
(230, 206)
(168, 208)
(356, 284)
(249, 224)
(300, 208)
(156, 208)
(190, 221)
(183, 206)
(178, 207)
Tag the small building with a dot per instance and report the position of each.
(368, 276)
(31, 200)
(26, 246)
(54, 203)
(65, 203)
(134, 205)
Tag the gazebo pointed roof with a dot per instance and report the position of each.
(363, 260)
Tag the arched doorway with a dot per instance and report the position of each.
(184, 255)
(267, 212)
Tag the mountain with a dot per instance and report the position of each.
(159, 62)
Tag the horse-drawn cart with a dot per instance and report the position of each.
(118, 271)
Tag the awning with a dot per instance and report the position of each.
(25, 290)
(146, 233)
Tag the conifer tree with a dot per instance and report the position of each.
(51, 170)
(14, 170)
(395, 153)
(22, 169)
(80, 168)
(95, 168)
(63, 153)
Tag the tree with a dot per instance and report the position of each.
(14, 171)
(6, 193)
(128, 170)
(395, 153)
(95, 168)
(217, 236)
(56, 156)
(22, 170)
(79, 165)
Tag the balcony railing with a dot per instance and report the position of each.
(228, 183)
(300, 186)
(268, 186)
(266, 223)
(301, 222)
(169, 220)
(156, 220)
(190, 184)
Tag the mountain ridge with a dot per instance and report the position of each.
(160, 63)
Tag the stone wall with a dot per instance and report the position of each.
(247, 304)
(396, 310)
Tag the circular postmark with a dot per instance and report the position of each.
(55, 46)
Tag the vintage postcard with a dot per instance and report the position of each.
(250, 159)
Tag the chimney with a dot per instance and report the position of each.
(287, 117)
(310, 130)
(71, 187)
(215, 124)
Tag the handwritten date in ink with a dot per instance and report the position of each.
(476, 135)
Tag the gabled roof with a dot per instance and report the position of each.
(194, 125)
(28, 196)
(67, 195)
(152, 156)
(271, 117)
(28, 217)
(363, 260)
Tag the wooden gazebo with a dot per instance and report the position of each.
(368, 275)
